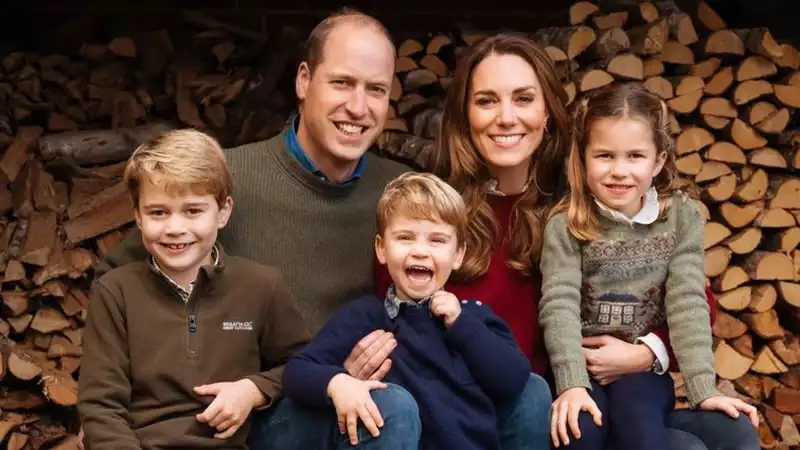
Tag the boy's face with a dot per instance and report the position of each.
(180, 230)
(419, 254)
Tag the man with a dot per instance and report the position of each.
(306, 202)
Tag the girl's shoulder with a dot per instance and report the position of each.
(683, 207)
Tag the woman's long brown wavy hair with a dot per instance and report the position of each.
(628, 100)
(458, 161)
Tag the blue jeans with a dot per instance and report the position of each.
(523, 423)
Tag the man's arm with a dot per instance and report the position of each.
(128, 250)
(308, 373)
(490, 351)
(104, 387)
(284, 334)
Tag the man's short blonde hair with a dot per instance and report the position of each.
(182, 162)
(423, 196)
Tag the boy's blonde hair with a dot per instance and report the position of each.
(181, 162)
(423, 196)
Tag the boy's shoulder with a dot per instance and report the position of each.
(120, 276)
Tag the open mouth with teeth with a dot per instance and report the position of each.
(619, 188)
(507, 138)
(176, 247)
(419, 274)
(350, 129)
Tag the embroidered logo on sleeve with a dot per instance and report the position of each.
(237, 326)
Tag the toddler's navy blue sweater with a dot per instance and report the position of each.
(456, 375)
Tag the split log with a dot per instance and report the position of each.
(762, 265)
(98, 146)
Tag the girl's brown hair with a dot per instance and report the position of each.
(458, 161)
(628, 101)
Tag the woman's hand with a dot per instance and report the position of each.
(566, 410)
(609, 358)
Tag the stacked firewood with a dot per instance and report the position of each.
(732, 94)
(69, 120)
(67, 124)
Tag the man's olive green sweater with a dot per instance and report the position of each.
(626, 283)
(319, 234)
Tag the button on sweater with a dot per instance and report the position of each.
(456, 375)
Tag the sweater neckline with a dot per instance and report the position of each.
(299, 173)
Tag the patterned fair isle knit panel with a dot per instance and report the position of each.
(623, 284)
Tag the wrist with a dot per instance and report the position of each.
(256, 395)
(450, 319)
(647, 358)
(335, 381)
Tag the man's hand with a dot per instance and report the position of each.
(232, 404)
(566, 410)
(730, 406)
(79, 441)
(369, 360)
(609, 358)
(446, 306)
(352, 400)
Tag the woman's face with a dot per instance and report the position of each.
(507, 115)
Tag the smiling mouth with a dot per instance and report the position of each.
(618, 187)
(350, 129)
(420, 274)
(507, 139)
(176, 247)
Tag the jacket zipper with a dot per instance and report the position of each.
(193, 332)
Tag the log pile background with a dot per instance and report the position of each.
(69, 120)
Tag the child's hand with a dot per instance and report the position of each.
(232, 404)
(730, 406)
(446, 306)
(352, 400)
(566, 409)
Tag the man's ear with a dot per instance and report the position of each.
(302, 81)
(380, 252)
(225, 210)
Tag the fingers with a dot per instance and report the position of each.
(362, 346)
(595, 341)
(352, 427)
(606, 380)
(562, 424)
(752, 412)
(208, 389)
(221, 419)
(592, 409)
(373, 410)
(374, 361)
(341, 422)
(228, 432)
(372, 384)
(554, 425)
(572, 421)
(210, 412)
(369, 422)
(382, 371)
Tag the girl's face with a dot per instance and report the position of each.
(621, 162)
(507, 116)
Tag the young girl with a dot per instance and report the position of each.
(622, 254)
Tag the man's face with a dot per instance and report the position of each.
(346, 98)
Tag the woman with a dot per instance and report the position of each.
(503, 143)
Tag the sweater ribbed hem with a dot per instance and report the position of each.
(700, 388)
(571, 376)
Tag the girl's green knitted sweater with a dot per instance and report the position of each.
(626, 283)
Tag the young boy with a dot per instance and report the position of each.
(456, 358)
(180, 348)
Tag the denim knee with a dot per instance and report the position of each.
(400, 413)
(524, 422)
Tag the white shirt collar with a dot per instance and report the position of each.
(491, 188)
(647, 215)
